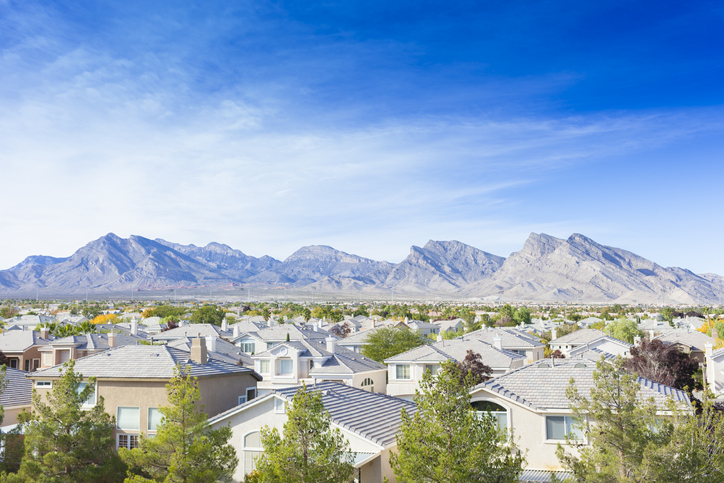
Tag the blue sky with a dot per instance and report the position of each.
(367, 126)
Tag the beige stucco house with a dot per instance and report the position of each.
(16, 396)
(369, 422)
(132, 381)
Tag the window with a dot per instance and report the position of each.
(269, 345)
(242, 399)
(36, 364)
(27, 365)
(252, 450)
(402, 371)
(263, 367)
(154, 418)
(368, 383)
(44, 384)
(128, 418)
(558, 427)
(129, 441)
(91, 401)
(279, 406)
(285, 367)
(492, 409)
(247, 345)
(250, 393)
(432, 368)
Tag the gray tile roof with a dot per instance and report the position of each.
(695, 339)
(541, 388)
(18, 390)
(192, 330)
(511, 338)
(98, 341)
(456, 350)
(21, 340)
(278, 333)
(225, 351)
(578, 337)
(373, 416)
(144, 362)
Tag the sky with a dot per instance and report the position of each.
(367, 126)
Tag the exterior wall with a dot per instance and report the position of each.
(535, 354)
(11, 414)
(21, 357)
(378, 377)
(219, 394)
(529, 431)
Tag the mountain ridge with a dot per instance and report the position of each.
(575, 269)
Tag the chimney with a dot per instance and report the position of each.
(637, 341)
(236, 331)
(211, 343)
(44, 333)
(134, 327)
(651, 334)
(374, 322)
(224, 325)
(314, 327)
(198, 350)
(709, 349)
(554, 334)
(112, 339)
(330, 344)
(498, 342)
(406, 320)
(440, 338)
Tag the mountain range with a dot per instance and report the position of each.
(546, 269)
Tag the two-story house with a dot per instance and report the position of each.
(575, 339)
(405, 371)
(253, 342)
(512, 339)
(132, 381)
(308, 361)
(22, 347)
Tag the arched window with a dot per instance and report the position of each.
(495, 410)
(252, 450)
(368, 383)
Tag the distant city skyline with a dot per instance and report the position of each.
(369, 127)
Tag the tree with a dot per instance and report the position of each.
(473, 365)
(663, 363)
(695, 450)
(306, 314)
(309, 450)
(622, 427)
(266, 314)
(341, 330)
(522, 315)
(624, 329)
(386, 342)
(445, 441)
(65, 442)
(208, 314)
(185, 449)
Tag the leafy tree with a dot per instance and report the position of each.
(208, 314)
(474, 366)
(386, 342)
(266, 314)
(668, 314)
(361, 310)
(66, 443)
(522, 315)
(695, 448)
(309, 450)
(663, 363)
(446, 442)
(341, 330)
(622, 427)
(163, 311)
(185, 449)
(624, 329)
(91, 312)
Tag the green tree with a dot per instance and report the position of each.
(65, 442)
(306, 314)
(623, 329)
(622, 428)
(208, 314)
(309, 450)
(695, 450)
(522, 315)
(386, 342)
(445, 441)
(185, 449)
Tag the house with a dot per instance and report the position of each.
(514, 340)
(28, 322)
(575, 339)
(307, 361)
(405, 371)
(691, 342)
(368, 421)
(21, 347)
(714, 368)
(605, 345)
(217, 349)
(424, 328)
(191, 330)
(454, 325)
(132, 381)
(16, 396)
(74, 347)
(261, 340)
(355, 342)
(531, 402)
